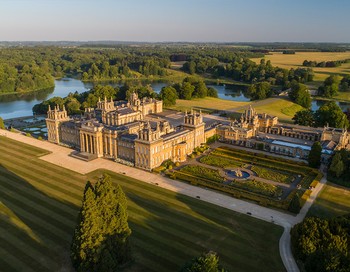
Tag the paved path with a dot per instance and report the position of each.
(60, 156)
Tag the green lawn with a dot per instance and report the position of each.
(39, 203)
(281, 107)
(333, 201)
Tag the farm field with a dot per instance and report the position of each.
(296, 60)
(39, 203)
(333, 201)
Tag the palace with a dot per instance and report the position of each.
(122, 131)
(262, 131)
(133, 132)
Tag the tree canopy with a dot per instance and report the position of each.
(322, 244)
(208, 262)
(314, 158)
(304, 118)
(169, 95)
(299, 94)
(260, 90)
(339, 169)
(330, 86)
(331, 114)
(100, 241)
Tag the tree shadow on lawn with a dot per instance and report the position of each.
(36, 228)
(255, 245)
(189, 227)
(174, 233)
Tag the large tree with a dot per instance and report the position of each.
(337, 165)
(208, 262)
(299, 94)
(260, 90)
(322, 244)
(304, 118)
(315, 155)
(100, 241)
(330, 86)
(331, 114)
(169, 95)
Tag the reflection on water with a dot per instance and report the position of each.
(316, 104)
(17, 105)
(232, 92)
(39, 95)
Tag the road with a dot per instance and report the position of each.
(61, 156)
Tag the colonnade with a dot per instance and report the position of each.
(91, 144)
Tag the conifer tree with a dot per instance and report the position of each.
(315, 155)
(100, 241)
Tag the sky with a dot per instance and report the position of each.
(176, 20)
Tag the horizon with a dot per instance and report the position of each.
(191, 21)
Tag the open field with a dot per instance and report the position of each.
(207, 104)
(295, 61)
(333, 201)
(39, 203)
(283, 108)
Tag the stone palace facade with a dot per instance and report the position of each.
(122, 131)
(134, 133)
(262, 131)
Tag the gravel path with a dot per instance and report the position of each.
(61, 156)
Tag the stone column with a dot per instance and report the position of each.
(82, 143)
(86, 143)
(110, 144)
(90, 142)
(105, 150)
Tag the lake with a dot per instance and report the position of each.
(19, 105)
(12, 106)
(316, 104)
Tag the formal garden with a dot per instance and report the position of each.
(270, 181)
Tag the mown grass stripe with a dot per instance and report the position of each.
(41, 211)
(165, 262)
(23, 190)
(18, 153)
(41, 244)
(9, 262)
(174, 203)
(25, 147)
(189, 237)
(50, 175)
(180, 221)
(43, 224)
(168, 236)
(52, 184)
(27, 254)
